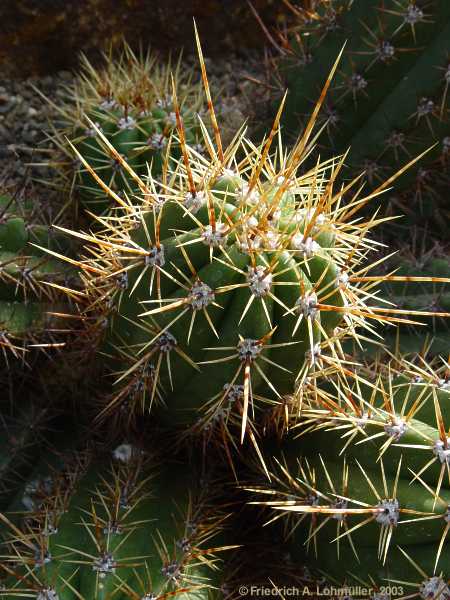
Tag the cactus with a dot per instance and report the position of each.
(243, 264)
(28, 305)
(130, 101)
(222, 291)
(97, 525)
(364, 471)
(389, 99)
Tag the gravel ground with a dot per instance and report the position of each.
(24, 118)
(25, 115)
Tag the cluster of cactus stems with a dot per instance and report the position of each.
(226, 267)
(389, 99)
(130, 102)
(221, 287)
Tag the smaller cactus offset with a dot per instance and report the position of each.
(129, 100)
(29, 307)
(97, 525)
(390, 97)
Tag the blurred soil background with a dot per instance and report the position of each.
(41, 42)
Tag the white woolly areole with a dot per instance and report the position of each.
(447, 514)
(166, 342)
(108, 104)
(434, 588)
(316, 353)
(155, 256)
(112, 528)
(361, 421)
(217, 236)
(124, 452)
(307, 215)
(252, 197)
(194, 202)
(200, 296)
(184, 544)
(250, 244)
(340, 504)
(312, 499)
(233, 392)
(42, 557)
(385, 50)
(396, 428)
(157, 141)
(442, 451)
(443, 384)
(342, 278)
(248, 349)
(122, 280)
(164, 102)
(172, 571)
(305, 245)
(389, 512)
(272, 240)
(281, 180)
(104, 565)
(171, 119)
(91, 131)
(31, 488)
(259, 281)
(413, 14)
(229, 173)
(47, 594)
(307, 305)
(126, 123)
(149, 596)
(157, 202)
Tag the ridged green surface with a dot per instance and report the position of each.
(26, 298)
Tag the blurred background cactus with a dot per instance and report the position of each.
(388, 102)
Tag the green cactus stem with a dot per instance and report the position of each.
(98, 525)
(389, 99)
(30, 305)
(227, 285)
